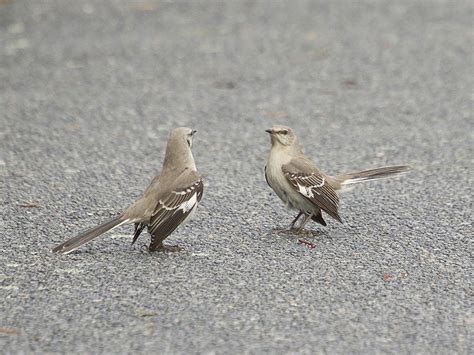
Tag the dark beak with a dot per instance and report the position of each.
(269, 131)
(193, 132)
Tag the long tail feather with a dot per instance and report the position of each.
(372, 174)
(86, 236)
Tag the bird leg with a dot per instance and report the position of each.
(305, 220)
(292, 225)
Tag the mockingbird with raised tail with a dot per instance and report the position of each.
(302, 186)
(168, 201)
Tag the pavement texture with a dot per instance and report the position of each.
(88, 94)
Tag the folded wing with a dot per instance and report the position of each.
(173, 210)
(314, 186)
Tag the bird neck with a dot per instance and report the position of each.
(290, 150)
(178, 156)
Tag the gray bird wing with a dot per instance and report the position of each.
(313, 185)
(172, 209)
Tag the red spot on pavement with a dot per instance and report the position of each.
(386, 277)
(307, 243)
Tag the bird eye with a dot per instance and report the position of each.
(284, 132)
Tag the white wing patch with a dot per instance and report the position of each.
(308, 190)
(305, 191)
(189, 204)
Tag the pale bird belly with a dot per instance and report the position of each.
(284, 190)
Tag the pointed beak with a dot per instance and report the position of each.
(194, 132)
(269, 131)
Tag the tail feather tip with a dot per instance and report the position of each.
(375, 174)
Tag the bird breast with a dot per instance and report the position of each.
(276, 178)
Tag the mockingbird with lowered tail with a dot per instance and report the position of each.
(168, 202)
(300, 184)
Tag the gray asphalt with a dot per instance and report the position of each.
(88, 94)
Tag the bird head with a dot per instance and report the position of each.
(282, 135)
(181, 134)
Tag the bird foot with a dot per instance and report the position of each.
(167, 248)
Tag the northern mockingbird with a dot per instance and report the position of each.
(300, 184)
(168, 201)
